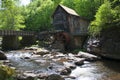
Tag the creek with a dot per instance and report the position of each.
(98, 70)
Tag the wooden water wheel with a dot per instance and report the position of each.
(64, 38)
(57, 39)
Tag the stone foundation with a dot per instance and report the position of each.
(10, 42)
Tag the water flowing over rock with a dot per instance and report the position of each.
(69, 65)
(65, 71)
(33, 66)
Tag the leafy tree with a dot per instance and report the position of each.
(10, 16)
(87, 8)
(116, 13)
(107, 16)
(39, 17)
(69, 3)
(38, 13)
(56, 2)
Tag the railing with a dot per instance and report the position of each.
(25, 33)
(16, 33)
(32, 33)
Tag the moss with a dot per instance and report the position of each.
(6, 72)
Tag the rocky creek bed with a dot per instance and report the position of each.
(41, 64)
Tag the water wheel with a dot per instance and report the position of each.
(64, 38)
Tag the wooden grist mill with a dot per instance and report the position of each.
(72, 27)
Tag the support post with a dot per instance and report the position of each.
(28, 40)
(10, 42)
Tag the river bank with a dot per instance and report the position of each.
(69, 66)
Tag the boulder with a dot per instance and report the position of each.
(54, 77)
(65, 71)
(41, 51)
(42, 76)
(107, 44)
(6, 72)
(79, 63)
(31, 48)
(69, 65)
(2, 56)
(88, 56)
(26, 76)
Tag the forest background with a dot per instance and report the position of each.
(36, 16)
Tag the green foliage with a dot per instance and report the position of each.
(6, 72)
(39, 15)
(115, 3)
(103, 17)
(116, 13)
(56, 2)
(87, 11)
(107, 16)
(11, 78)
(87, 8)
(69, 3)
(10, 16)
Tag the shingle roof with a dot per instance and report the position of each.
(69, 10)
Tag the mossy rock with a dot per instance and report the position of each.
(6, 72)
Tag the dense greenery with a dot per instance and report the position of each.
(37, 15)
(107, 16)
(40, 11)
(6, 72)
(87, 8)
(10, 16)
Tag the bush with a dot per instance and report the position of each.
(107, 16)
(104, 17)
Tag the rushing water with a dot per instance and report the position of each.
(99, 70)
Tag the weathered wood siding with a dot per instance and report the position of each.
(78, 26)
(69, 21)
(60, 21)
(83, 26)
(75, 25)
